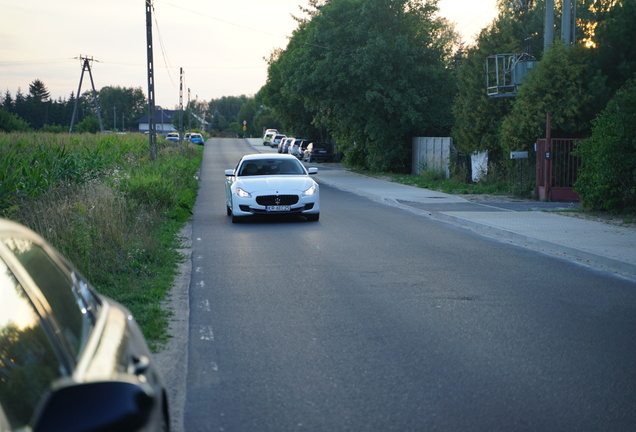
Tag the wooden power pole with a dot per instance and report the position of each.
(152, 126)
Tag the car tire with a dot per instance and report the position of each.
(313, 217)
(229, 210)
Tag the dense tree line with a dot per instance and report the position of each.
(120, 108)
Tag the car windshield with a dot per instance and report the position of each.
(256, 167)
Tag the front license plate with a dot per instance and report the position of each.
(278, 208)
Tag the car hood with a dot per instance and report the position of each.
(275, 184)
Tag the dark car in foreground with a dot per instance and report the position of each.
(71, 359)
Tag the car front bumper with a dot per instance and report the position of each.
(255, 206)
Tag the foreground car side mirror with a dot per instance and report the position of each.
(229, 173)
(98, 406)
(312, 170)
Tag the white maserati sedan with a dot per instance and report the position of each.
(271, 184)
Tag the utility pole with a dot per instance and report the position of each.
(568, 22)
(180, 105)
(548, 29)
(152, 126)
(86, 66)
(190, 112)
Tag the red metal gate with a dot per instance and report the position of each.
(557, 167)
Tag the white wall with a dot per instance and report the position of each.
(432, 153)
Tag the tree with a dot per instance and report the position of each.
(478, 118)
(287, 110)
(557, 85)
(10, 122)
(225, 111)
(615, 41)
(36, 106)
(607, 177)
(7, 103)
(372, 72)
(89, 124)
(38, 91)
(121, 106)
(20, 104)
(247, 113)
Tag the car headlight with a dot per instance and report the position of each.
(312, 190)
(242, 193)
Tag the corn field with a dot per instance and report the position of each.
(33, 163)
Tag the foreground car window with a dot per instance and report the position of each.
(71, 301)
(28, 363)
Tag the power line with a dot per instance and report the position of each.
(224, 21)
(166, 60)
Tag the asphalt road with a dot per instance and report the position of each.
(378, 319)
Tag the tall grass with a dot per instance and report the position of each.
(102, 203)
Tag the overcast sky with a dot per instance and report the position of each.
(220, 44)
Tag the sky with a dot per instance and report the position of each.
(221, 45)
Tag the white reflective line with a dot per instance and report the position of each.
(205, 305)
(206, 333)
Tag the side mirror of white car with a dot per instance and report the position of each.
(312, 170)
(229, 173)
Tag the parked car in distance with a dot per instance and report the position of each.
(271, 184)
(196, 138)
(297, 147)
(318, 151)
(269, 134)
(284, 145)
(276, 139)
(172, 136)
(70, 358)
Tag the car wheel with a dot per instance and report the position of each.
(313, 217)
(229, 210)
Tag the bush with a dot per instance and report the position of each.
(607, 177)
(11, 122)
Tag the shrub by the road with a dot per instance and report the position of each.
(607, 178)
